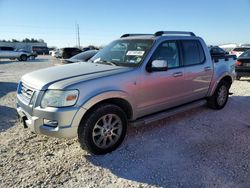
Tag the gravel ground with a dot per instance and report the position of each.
(198, 148)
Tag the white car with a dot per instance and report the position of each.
(54, 52)
(239, 50)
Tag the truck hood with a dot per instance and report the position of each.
(70, 73)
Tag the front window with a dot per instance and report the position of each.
(129, 53)
(167, 51)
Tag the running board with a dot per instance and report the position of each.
(159, 116)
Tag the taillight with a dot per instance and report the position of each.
(238, 63)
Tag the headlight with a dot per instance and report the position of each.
(59, 98)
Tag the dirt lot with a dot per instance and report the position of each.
(199, 148)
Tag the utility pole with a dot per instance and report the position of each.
(78, 35)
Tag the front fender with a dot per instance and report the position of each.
(87, 104)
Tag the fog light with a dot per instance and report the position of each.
(50, 123)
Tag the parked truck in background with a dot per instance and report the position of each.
(134, 80)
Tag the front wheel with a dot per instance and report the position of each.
(219, 99)
(103, 129)
(23, 58)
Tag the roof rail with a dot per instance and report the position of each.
(160, 33)
(130, 35)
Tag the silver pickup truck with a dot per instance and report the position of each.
(134, 80)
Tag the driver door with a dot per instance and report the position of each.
(162, 89)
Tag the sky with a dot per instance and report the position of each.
(101, 21)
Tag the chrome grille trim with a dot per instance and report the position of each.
(26, 91)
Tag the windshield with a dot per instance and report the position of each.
(129, 53)
(245, 54)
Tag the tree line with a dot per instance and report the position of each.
(32, 40)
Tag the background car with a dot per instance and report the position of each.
(11, 53)
(54, 52)
(239, 50)
(83, 56)
(216, 51)
(242, 67)
(89, 48)
(67, 53)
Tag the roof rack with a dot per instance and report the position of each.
(130, 35)
(160, 33)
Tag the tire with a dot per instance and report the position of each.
(23, 58)
(220, 97)
(103, 129)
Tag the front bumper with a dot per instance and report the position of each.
(67, 118)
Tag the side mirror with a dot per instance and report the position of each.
(158, 65)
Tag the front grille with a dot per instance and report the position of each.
(26, 92)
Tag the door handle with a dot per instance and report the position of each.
(177, 74)
(207, 68)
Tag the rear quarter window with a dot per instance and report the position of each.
(193, 53)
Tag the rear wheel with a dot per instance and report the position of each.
(103, 129)
(23, 58)
(219, 99)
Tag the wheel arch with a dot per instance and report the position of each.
(122, 103)
(24, 55)
(118, 98)
(225, 77)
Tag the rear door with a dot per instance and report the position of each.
(198, 70)
(7, 52)
(11, 52)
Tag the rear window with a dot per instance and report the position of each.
(193, 52)
(71, 50)
(7, 48)
(240, 49)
